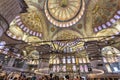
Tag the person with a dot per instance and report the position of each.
(33, 77)
(56, 78)
(15, 78)
(67, 77)
(51, 76)
(5, 77)
(46, 77)
(77, 78)
(11, 78)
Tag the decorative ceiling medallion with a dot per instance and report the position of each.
(64, 13)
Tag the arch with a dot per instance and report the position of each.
(111, 58)
(110, 50)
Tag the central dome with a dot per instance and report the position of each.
(64, 13)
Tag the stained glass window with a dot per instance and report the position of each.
(64, 60)
(68, 59)
(81, 68)
(64, 68)
(58, 68)
(80, 60)
(88, 61)
(54, 61)
(2, 43)
(74, 67)
(77, 61)
(54, 68)
(73, 59)
(71, 50)
(57, 60)
(86, 68)
(84, 60)
(115, 69)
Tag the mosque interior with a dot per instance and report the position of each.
(75, 37)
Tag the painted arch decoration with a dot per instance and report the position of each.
(33, 23)
(102, 14)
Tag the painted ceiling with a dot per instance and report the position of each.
(66, 19)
